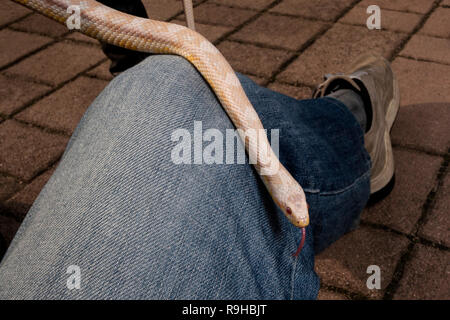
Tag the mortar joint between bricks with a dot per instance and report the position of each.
(310, 42)
(419, 26)
(426, 209)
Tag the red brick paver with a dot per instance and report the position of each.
(325, 294)
(15, 93)
(163, 10)
(419, 6)
(283, 32)
(9, 185)
(327, 10)
(424, 275)
(10, 12)
(423, 126)
(428, 48)
(422, 82)
(24, 43)
(57, 63)
(211, 13)
(437, 223)
(401, 210)
(247, 58)
(254, 4)
(438, 24)
(101, 72)
(64, 108)
(212, 33)
(49, 76)
(37, 23)
(27, 150)
(345, 263)
(79, 37)
(390, 19)
(340, 45)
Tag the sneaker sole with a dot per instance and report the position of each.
(385, 178)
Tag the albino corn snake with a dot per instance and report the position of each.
(146, 35)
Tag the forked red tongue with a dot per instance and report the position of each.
(302, 242)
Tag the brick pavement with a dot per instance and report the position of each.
(49, 76)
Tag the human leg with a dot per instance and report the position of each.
(140, 226)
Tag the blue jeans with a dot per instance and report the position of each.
(139, 226)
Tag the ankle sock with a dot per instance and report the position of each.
(355, 103)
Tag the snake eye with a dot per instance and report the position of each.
(288, 210)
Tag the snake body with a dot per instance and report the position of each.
(146, 35)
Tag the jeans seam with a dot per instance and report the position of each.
(338, 191)
(356, 181)
(294, 266)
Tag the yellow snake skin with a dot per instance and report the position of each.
(120, 29)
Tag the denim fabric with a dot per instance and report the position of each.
(141, 227)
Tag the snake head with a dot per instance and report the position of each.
(296, 209)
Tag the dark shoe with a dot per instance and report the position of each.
(121, 58)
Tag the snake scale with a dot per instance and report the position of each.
(146, 35)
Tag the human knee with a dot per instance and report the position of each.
(164, 70)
